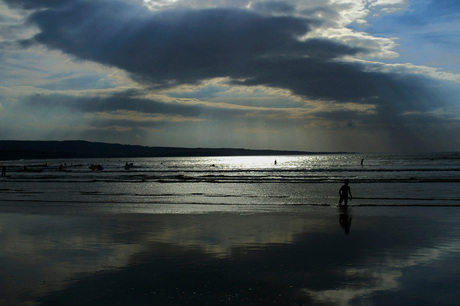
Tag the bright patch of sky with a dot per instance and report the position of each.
(427, 33)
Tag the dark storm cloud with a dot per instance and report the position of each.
(271, 7)
(343, 82)
(125, 101)
(171, 48)
(119, 101)
(34, 4)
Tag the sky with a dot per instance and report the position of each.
(311, 75)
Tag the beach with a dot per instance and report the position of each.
(396, 255)
(235, 152)
(195, 233)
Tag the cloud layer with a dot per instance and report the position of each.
(308, 54)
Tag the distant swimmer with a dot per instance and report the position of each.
(96, 167)
(344, 191)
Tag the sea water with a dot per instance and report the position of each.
(220, 183)
(231, 230)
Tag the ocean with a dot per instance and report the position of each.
(203, 184)
(231, 231)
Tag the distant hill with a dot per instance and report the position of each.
(16, 149)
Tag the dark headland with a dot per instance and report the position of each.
(19, 149)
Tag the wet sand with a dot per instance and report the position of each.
(56, 255)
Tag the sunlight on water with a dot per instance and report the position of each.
(241, 162)
(270, 162)
(425, 179)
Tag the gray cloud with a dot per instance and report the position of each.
(273, 7)
(250, 47)
(125, 101)
(120, 101)
(170, 48)
(36, 4)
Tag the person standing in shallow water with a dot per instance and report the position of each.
(344, 191)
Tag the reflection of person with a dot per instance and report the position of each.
(344, 191)
(345, 221)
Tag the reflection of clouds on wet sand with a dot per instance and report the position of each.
(44, 253)
(41, 253)
(219, 235)
(375, 281)
(383, 274)
(283, 257)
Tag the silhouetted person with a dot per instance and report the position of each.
(345, 221)
(3, 170)
(362, 161)
(344, 192)
(276, 162)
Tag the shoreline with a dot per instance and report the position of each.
(95, 208)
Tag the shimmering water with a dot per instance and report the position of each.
(231, 231)
(382, 179)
